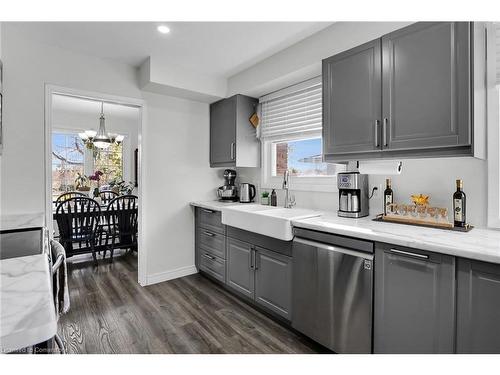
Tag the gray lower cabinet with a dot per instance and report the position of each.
(273, 281)
(262, 275)
(414, 302)
(478, 307)
(240, 275)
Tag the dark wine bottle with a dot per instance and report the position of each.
(459, 202)
(388, 196)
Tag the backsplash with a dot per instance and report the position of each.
(435, 177)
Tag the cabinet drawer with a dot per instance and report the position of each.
(214, 266)
(212, 242)
(210, 219)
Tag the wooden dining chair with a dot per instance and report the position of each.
(122, 223)
(78, 222)
(107, 196)
(68, 195)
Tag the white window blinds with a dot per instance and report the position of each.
(295, 110)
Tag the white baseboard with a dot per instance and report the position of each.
(170, 275)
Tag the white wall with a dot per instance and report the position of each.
(302, 60)
(175, 149)
(178, 172)
(27, 68)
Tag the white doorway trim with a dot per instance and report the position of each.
(133, 102)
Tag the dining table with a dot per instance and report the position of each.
(102, 244)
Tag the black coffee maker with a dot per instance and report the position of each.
(228, 191)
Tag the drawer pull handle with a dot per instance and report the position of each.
(208, 234)
(209, 256)
(208, 211)
(407, 253)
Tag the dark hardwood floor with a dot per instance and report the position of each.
(111, 313)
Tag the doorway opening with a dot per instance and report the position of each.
(93, 148)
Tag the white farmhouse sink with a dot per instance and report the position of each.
(266, 220)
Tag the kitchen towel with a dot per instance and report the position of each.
(60, 279)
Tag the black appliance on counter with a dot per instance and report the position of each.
(228, 191)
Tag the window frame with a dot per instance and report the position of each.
(298, 183)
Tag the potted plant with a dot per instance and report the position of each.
(264, 198)
(96, 177)
(82, 183)
(121, 187)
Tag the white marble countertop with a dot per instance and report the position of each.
(214, 205)
(27, 312)
(480, 243)
(22, 221)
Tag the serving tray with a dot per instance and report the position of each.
(422, 223)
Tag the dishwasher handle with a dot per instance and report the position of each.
(337, 249)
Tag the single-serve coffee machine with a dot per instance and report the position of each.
(353, 194)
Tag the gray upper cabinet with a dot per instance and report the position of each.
(352, 102)
(408, 94)
(414, 301)
(232, 137)
(478, 307)
(240, 264)
(426, 86)
(223, 132)
(273, 281)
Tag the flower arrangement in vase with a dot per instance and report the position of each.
(97, 178)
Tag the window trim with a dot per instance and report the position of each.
(315, 184)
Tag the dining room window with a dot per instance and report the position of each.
(68, 159)
(71, 157)
(110, 162)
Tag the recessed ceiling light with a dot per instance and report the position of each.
(163, 29)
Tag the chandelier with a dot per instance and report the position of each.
(100, 139)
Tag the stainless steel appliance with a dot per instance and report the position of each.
(228, 191)
(247, 193)
(332, 285)
(353, 194)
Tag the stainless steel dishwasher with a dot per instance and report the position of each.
(333, 290)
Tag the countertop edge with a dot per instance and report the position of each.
(380, 237)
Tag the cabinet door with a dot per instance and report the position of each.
(273, 281)
(240, 261)
(426, 86)
(352, 100)
(223, 132)
(414, 301)
(478, 307)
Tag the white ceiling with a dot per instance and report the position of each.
(214, 48)
(62, 104)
